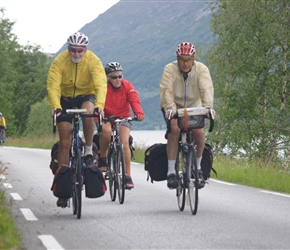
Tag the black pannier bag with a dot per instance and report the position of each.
(53, 161)
(207, 161)
(95, 185)
(156, 162)
(62, 183)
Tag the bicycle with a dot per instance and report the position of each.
(116, 171)
(2, 135)
(186, 165)
(77, 163)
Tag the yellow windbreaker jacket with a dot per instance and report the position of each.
(196, 91)
(3, 121)
(68, 79)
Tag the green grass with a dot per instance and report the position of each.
(251, 173)
(9, 236)
(45, 142)
(255, 173)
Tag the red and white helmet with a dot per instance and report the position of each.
(78, 39)
(185, 49)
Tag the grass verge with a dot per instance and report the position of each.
(9, 237)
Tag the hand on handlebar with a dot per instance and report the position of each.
(139, 118)
(56, 112)
(170, 113)
(99, 111)
(210, 114)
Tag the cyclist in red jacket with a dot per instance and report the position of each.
(121, 95)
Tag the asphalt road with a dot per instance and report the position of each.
(229, 216)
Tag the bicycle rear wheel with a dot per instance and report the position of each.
(121, 174)
(79, 183)
(181, 189)
(112, 175)
(192, 183)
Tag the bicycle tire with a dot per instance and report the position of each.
(74, 192)
(121, 174)
(1, 139)
(192, 182)
(79, 182)
(112, 175)
(74, 199)
(181, 189)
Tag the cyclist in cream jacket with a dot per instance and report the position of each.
(184, 83)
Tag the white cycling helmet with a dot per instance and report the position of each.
(78, 39)
(112, 67)
(0, 114)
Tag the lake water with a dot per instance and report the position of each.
(147, 137)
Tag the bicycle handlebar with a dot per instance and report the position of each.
(113, 119)
(195, 111)
(71, 113)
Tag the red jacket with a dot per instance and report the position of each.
(119, 101)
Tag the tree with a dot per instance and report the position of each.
(39, 122)
(250, 67)
(23, 71)
(8, 48)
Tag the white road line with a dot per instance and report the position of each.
(16, 196)
(2, 177)
(50, 242)
(28, 214)
(275, 193)
(7, 185)
(223, 182)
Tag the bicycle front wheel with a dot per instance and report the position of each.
(79, 183)
(121, 174)
(181, 189)
(192, 177)
(1, 139)
(112, 175)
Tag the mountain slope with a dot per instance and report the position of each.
(143, 36)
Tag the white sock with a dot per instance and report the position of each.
(171, 167)
(198, 161)
(89, 150)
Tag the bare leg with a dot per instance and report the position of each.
(65, 137)
(105, 138)
(88, 123)
(199, 139)
(172, 142)
(124, 136)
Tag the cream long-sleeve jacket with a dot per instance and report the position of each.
(196, 91)
(68, 79)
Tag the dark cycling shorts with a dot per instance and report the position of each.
(72, 103)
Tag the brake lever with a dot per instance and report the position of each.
(54, 124)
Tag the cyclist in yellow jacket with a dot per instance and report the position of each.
(3, 126)
(76, 79)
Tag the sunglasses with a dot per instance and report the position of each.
(185, 60)
(115, 77)
(76, 50)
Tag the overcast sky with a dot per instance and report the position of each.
(49, 23)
